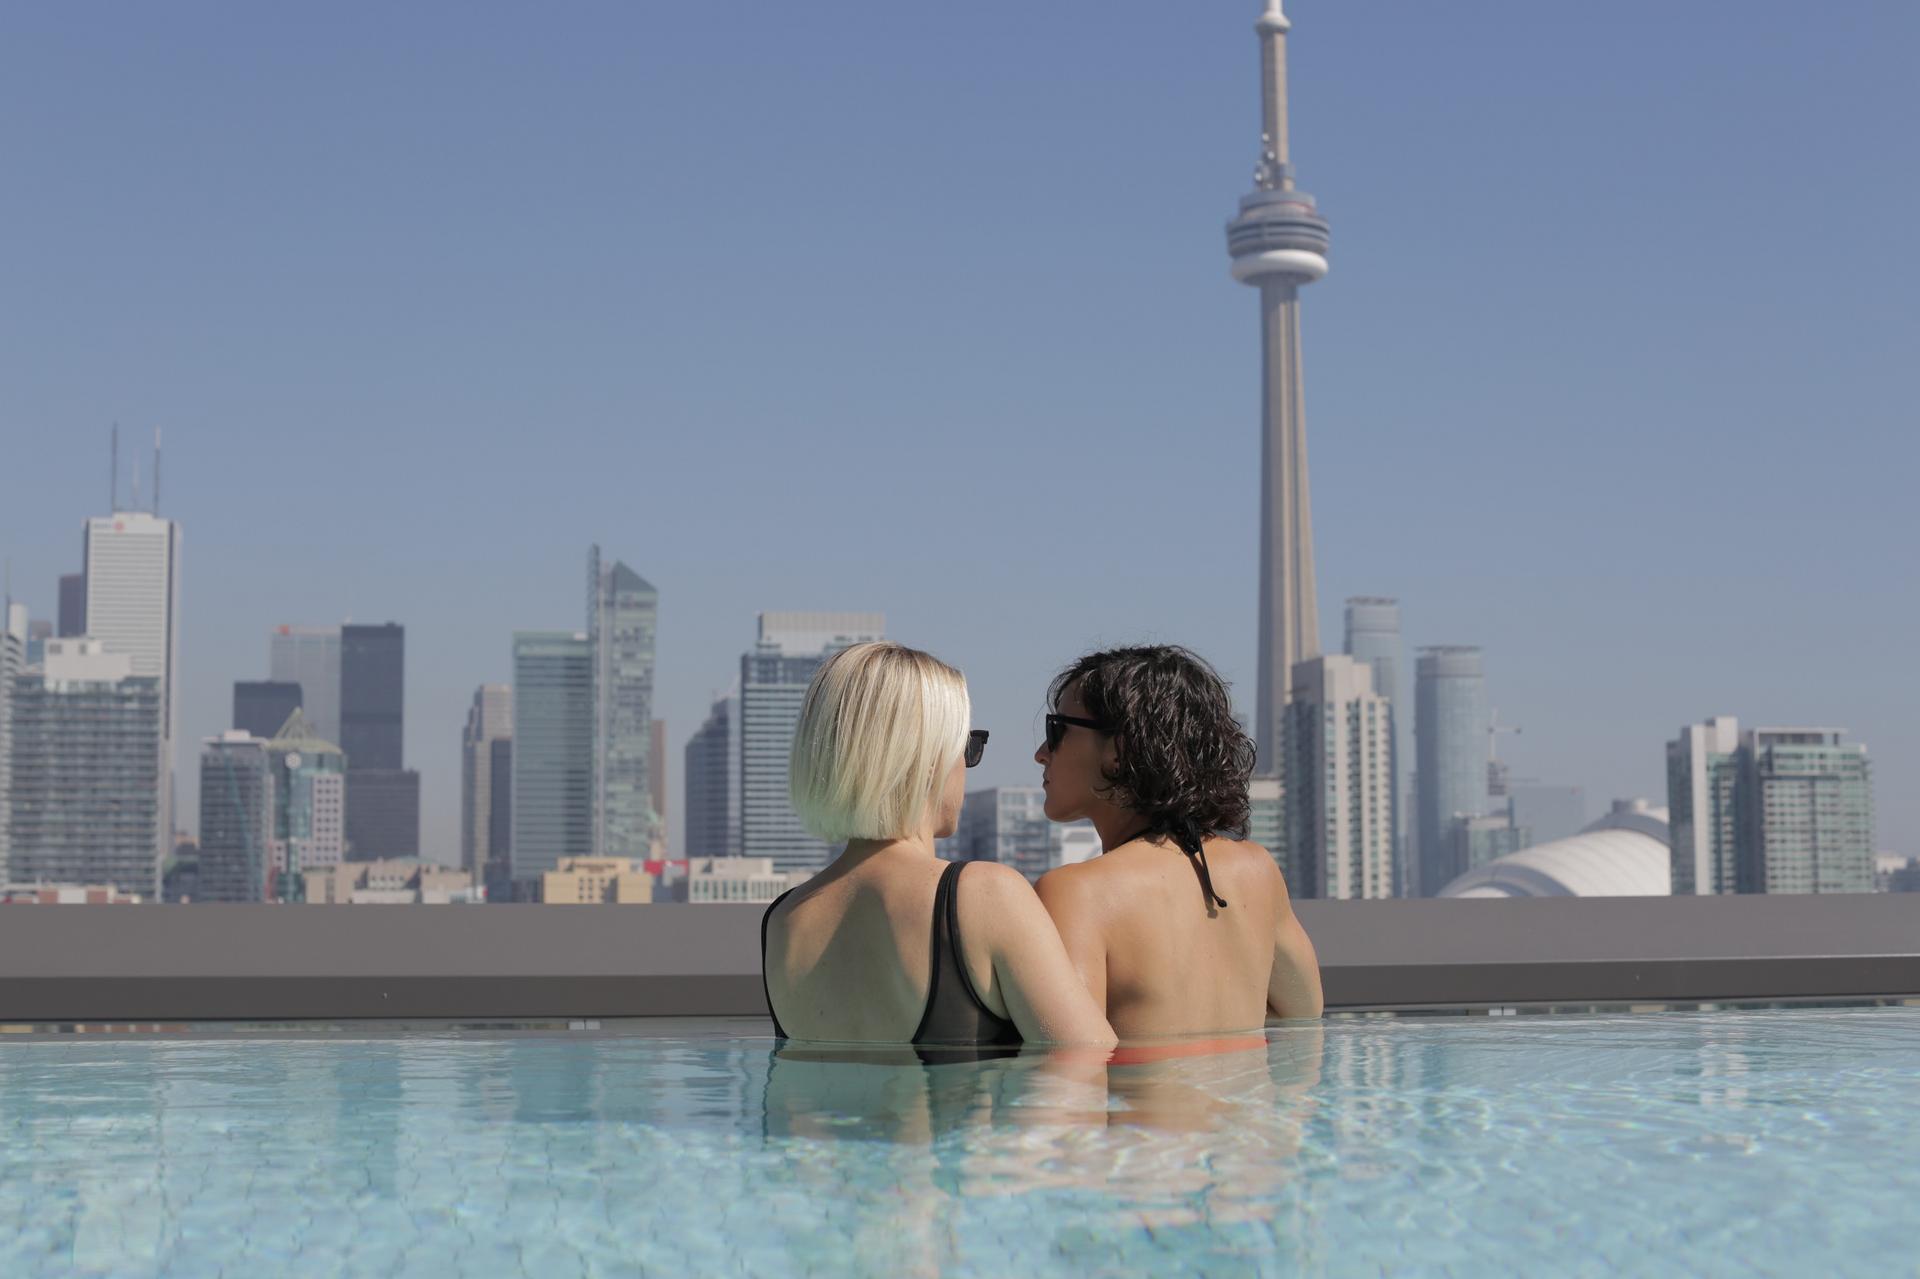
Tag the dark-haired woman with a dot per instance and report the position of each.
(1181, 926)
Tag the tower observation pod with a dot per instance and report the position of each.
(1278, 243)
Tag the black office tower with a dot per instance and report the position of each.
(383, 813)
(73, 605)
(261, 706)
(373, 661)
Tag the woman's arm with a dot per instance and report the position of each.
(1293, 987)
(1032, 972)
(1064, 893)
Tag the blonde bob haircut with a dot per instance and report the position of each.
(881, 727)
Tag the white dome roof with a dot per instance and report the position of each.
(1624, 854)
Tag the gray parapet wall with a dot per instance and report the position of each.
(491, 963)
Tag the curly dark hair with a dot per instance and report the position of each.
(1183, 760)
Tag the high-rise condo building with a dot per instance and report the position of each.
(1450, 734)
(13, 638)
(489, 720)
(1810, 806)
(1278, 243)
(1703, 782)
(86, 805)
(1373, 637)
(1797, 804)
(621, 616)
(260, 707)
(710, 813)
(133, 608)
(773, 684)
(552, 770)
(310, 657)
(1339, 795)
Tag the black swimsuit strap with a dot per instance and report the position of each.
(1190, 843)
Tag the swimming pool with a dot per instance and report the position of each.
(1769, 1141)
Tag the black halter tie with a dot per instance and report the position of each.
(1189, 842)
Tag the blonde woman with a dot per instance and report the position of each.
(889, 944)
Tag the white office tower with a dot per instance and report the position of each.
(1279, 243)
(622, 611)
(310, 657)
(1339, 797)
(133, 608)
(773, 685)
(489, 720)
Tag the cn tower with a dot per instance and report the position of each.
(1278, 243)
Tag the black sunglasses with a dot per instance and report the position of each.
(1057, 728)
(976, 745)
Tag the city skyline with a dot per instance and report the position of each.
(1523, 478)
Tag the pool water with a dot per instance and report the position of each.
(1732, 1142)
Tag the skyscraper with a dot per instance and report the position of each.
(1339, 794)
(383, 813)
(773, 685)
(373, 687)
(236, 819)
(86, 803)
(262, 706)
(1810, 806)
(310, 657)
(1279, 243)
(73, 605)
(1703, 777)
(1450, 735)
(489, 720)
(13, 638)
(710, 820)
(621, 615)
(1373, 637)
(133, 607)
(1777, 810)
(553, 734)
(309, 804)
(383, 794)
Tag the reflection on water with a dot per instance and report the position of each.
(1545, 1144)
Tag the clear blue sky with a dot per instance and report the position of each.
(925, 309)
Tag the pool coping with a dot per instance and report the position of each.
(154, 963)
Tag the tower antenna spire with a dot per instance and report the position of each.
(1278, 243)
(156, 470)
(113, 473)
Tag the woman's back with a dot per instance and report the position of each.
(880, 952)
(1173, 964)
